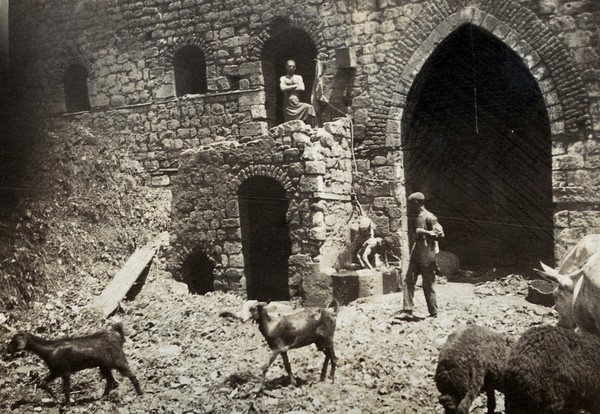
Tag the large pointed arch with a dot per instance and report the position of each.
(476, 139)
(520, 29)
(546, 58)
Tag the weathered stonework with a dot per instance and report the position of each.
(202, 147)
(314, 168)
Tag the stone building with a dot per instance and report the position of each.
(489, 107)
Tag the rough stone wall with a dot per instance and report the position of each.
(559, 44)
(314, 168)
(127, 47)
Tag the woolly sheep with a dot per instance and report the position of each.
(553, 370)
(471, 361)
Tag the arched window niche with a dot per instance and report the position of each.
(286, 43)
(189, 66)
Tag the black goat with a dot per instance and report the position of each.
(303, 328)
(64, 356)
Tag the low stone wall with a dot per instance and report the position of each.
(349, 285)
(312, 165)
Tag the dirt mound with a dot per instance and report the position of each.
(190, 360)
(82, 208)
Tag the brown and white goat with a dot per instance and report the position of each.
(64, 356)
(303, 328)
(245, 314)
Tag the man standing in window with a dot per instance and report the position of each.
(292, 85)
(425, 232)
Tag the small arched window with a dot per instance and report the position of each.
(76, 89)
(190, 71)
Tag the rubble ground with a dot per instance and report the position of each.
(188, 359)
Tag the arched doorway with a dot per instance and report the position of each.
(476, 141)
(286, 43)
(265, 238)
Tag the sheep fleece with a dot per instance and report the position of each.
(471, 361)
(553, 370)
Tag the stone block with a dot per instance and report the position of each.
(379, 190)
(317, 288)
(318, 233)
(253, 129)
(587, 219)
(232, 248)
(233, 222)
(338, 127)
(567, 162)
(311, 183)
(251, 98)
(236, 260)
(249, 68)
(378, 160)
(349, 285)
(258, 111)
(561, 219)
(232, 209)
(165, 91)
(315, 167)
(117, 101)
(161, 181)
(291, 154)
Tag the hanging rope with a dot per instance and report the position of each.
(474, 80)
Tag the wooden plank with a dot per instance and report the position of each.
(109, 299)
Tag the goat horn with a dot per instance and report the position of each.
(548, 269)
(567, 281)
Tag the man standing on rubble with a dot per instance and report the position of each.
(425, 231)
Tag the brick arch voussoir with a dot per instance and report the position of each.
(168, 50)
(270, 171)
(73, 57)
(539, 58)
(310, 26)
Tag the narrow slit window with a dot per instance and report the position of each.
(76, 89)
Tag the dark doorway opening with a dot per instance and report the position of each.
(197, 271)
(76, 89)
(477, 142)
(286, 43)
(190, 71)
(265, 238)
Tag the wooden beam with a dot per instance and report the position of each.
(108, 301)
